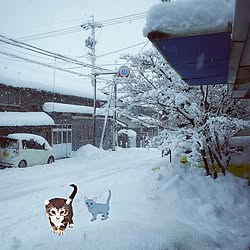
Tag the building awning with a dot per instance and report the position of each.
(206, 55)
(193, 57)
(21, 119)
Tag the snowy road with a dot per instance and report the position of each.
(159, 209)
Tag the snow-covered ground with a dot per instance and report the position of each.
(169, 207)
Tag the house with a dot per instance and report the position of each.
(143, 127)
(61, 113)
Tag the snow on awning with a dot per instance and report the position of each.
(189, 17)
(194, 37)
(19, 119)
(70, 108)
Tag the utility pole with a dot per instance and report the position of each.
(115, 118)
(90, 43)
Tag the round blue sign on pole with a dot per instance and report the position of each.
(123, 71)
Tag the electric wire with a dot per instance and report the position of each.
(40, 63)
(142, 48)
(22, 52)
(78, 28)
(112, 52)
(22, 45)
(51, 34)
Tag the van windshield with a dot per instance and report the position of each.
(8, 143)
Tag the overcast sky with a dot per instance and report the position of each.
(22, 18)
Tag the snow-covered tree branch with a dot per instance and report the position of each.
(195, 121)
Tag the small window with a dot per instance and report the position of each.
(10, 97)
(69, 137)
(55, 137)
(64, 137)
(8, 143)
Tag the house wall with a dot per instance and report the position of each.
(27, 99)
(31, 100)
(82, 129)
(141, 130)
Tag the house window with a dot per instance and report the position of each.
(10, 97)
(86, 130)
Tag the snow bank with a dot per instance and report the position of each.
(182, 16)
(90, 152)
(204, 204)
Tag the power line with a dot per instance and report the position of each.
(45, 52)
(51, 34)
(40, 63)
(143, 47)
(124, 19)
(132, 46)
(73, 29)
(22, 52)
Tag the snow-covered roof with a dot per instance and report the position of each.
(25, 119)
(189, 16)
(20, 74)
(122, 124)
(69, 108)
(145, 121)
(129, 132)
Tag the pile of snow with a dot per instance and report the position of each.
(205, 206)
(183, 16)
(89, 152)
(154, 204)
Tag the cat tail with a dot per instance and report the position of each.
(108, 199)
(73, 194)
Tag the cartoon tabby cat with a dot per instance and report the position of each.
(60, 212)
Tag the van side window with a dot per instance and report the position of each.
(32, 144)
(24, 144)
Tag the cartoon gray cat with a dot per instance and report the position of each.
(98, 208)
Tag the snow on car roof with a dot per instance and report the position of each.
(26, 136)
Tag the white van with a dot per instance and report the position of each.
(25, 150)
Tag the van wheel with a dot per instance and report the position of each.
(22, 164)
(50, 160)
